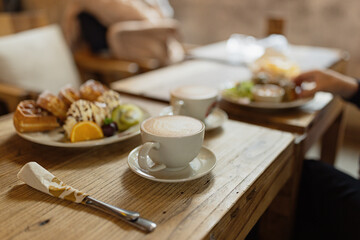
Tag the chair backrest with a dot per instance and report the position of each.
(37, 59)
(275, 25)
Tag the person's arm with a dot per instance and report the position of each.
(356, 97)
(329, 81)
(144, 40)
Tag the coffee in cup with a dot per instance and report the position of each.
(171, 142)
(193, 100)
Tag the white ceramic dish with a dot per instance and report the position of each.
(213, 121)
(56, 137)
(200, 166)
(267, 105)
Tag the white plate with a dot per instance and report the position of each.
(214, 120)
(267, 105)
(201, 165)
(56, 137)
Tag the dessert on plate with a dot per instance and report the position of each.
(93, 112)
(69, 95)
(271, 81)
(52, 104)
(91, 90)
(29, 117)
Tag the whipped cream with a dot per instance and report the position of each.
(39, 178)
(83, 110)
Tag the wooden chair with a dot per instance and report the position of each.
(108, 68)
(11, 95)
(275, 26)
(33, 61)
(12, 23)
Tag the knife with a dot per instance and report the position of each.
(39, 178)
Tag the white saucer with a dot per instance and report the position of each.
(214, 120)
(200, 166)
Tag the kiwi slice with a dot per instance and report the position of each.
(126, 115)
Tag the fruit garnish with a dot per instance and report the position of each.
(241, 90)
(126, 115)
(109, 129)
(107, 121)
(83, 131)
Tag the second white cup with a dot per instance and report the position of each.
(193, 100)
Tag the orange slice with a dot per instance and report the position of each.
(83, 131)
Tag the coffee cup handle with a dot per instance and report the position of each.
(143, 156)
(177, 106)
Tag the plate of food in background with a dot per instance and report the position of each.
(271, 86)
(92, 116)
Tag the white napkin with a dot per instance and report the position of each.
(39, 178)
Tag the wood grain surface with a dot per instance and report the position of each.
(253, 163)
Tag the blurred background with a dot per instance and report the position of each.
(326, 23)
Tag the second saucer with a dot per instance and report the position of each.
(213, 121)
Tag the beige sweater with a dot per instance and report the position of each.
(137, 29)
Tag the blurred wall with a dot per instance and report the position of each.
(53, 8)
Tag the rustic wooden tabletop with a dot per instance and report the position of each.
(253, 164)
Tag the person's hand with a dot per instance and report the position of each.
(313, 81)
(327, 81)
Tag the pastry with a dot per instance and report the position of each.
(83, 110)
(30, 118)
(111, 99)
(69, 95)
(91, 90)
(53, 104)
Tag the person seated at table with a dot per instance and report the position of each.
(132, 30)
(329, 200)
(330, 81)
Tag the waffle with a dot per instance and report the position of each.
(30, 118)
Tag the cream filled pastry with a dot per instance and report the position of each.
(111, 99)
(39, 178)
(83, 110)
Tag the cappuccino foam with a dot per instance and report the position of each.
(172, 126)
(194, 92)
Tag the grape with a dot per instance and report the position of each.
(114, 125)
(109, 129)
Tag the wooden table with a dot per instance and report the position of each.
(319, 120)
(310, 121)
(253, 164)
(213, 68)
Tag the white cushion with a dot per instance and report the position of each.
(37, 59)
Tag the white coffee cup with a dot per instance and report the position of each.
(193, 100)
(171, 142)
